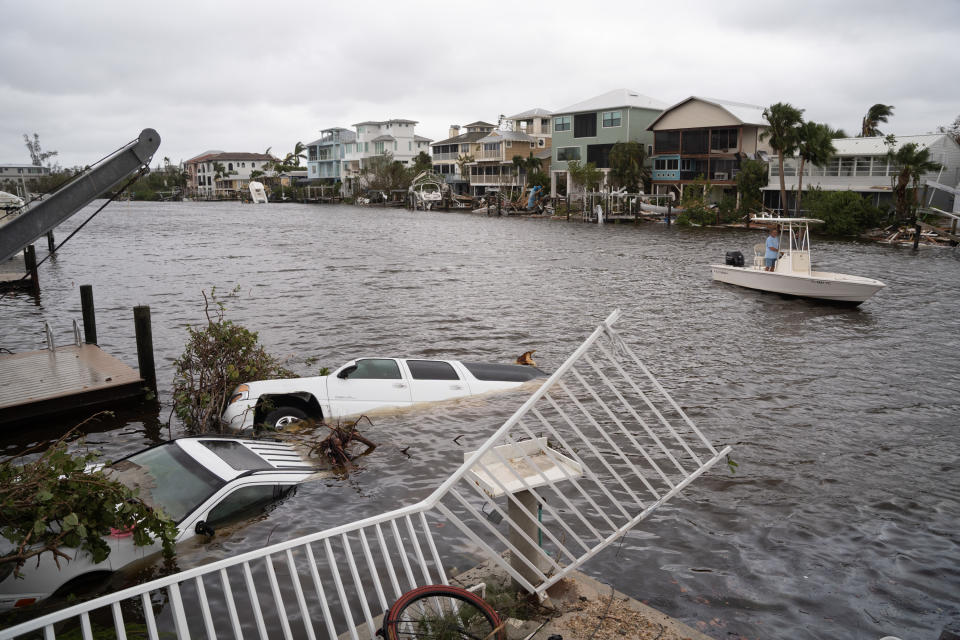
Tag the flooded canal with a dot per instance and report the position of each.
(840, 520)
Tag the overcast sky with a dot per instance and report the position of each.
(244, 76)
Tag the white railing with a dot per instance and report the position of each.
(445, 156)
(599, 446)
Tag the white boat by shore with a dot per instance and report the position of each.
(793, 274)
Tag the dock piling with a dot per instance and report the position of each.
(89, 315)
(144, 332)
(30, 260)
(51, 244)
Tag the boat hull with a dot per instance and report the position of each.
(832, 287)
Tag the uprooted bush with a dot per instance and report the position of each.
(216, 359)
(52, 502)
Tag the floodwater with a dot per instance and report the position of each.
(841, 518)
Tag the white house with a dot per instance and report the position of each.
(223, 173)
(862, 165)
(376, 138)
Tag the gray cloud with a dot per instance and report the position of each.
(89, 76)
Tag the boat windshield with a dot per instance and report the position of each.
(168, 479)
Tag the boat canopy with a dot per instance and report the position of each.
(769, 219)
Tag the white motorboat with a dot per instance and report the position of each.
(793, 274)
(8, 201)
(258, 195)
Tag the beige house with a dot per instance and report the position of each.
(705, 138)
(518, 135)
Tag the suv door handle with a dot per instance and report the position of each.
(399, 385)
(456, 387)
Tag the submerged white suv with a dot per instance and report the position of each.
(201, 483)
(364, 385)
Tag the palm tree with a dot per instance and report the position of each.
(785, 120)
(462, 161)
(628, 165)
(520, 164)
(532, 163)
(815, 145)
(837, 133)
(912, 162)
(298, 153)
(875, 115)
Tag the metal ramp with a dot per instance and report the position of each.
(600, 445)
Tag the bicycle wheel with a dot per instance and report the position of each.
(441, 612)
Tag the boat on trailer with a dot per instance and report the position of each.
(793, 274)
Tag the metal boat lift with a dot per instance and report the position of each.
(43, 215)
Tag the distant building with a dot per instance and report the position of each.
(325, 156)
(377, 138)
(205, 178)
(705, 138)
(16, 176)
(587, 131)
(447, 152)
(520, 135)
(861, 165)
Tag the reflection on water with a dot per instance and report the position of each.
(840, 519)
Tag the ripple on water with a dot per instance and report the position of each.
(840, 520)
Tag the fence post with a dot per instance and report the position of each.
(89, 315)
(144, 331)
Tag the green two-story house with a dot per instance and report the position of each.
(587, 131)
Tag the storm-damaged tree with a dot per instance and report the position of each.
(628, 168)
(752, 178)
(586, 176)
(38, 157)
(876, 114)
(785, 120)
(50, 503)
(911, 162)
(814, 145)
(383, 173)
(217, 358)
(422, 162)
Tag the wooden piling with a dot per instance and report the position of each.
(567, 200)
(144, 333)
(30, 260)
(499, 202)
(669, 212)
(916, 235)
(89, 315)
(51, 244)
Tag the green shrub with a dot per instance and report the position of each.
(216, 359)
(844, 213)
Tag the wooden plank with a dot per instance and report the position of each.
(42, 382)
(939, 231)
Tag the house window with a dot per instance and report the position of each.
(863, 166)
(666, 141)
(611, 119)
(879, 166)
(561, 123)
(394, 145)
(695, 141)
(565, 154)
(585, 125)
(229, 166)
(491, 146)
(540, 142)
(723, 140)
(409, 146)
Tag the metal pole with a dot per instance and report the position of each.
(144, 332)
(89, 315)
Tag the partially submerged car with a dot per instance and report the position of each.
(201, 483)
(365, 385)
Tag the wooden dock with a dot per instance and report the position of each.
(39, 383)
(12, 274)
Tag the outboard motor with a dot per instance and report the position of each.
(734, 259)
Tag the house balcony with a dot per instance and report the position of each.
(441, 157)
(489, 155)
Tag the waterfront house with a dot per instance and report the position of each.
(223, 174)
(861, 165)
(447, 152)
(519, 135)
(705, 138)
(379, 137)
(325, 155)
(586, 131)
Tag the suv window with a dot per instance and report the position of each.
(503, 372)
(431, 370)
(236, 455)
(376, 369)
(245, 502)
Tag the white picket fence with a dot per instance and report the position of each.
(599, 446)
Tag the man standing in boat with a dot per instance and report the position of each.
(773, 249)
